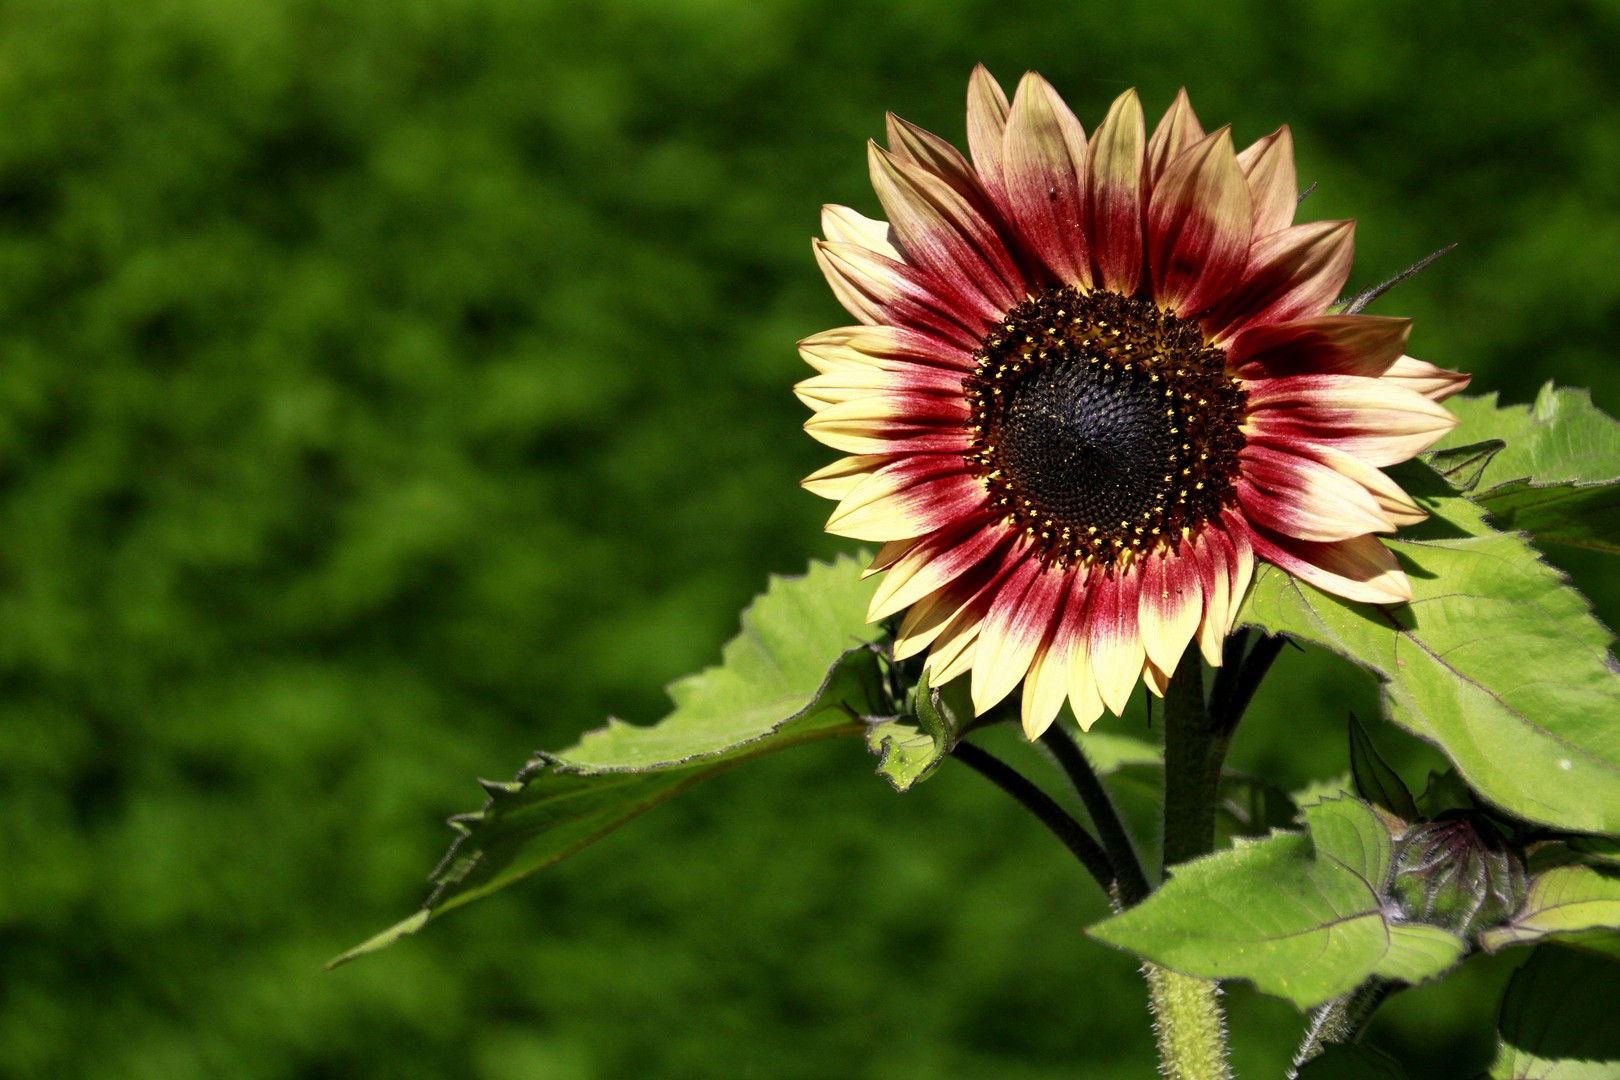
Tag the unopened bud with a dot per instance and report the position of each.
(1456, 872)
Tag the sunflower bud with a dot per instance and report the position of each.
(1456, 872)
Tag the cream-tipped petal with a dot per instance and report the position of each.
(941, 232)
(1045, 690)
(1379, 421)
(912, 144)
(1014, 628)
(1214, 562)
(1360, 568)
(1273, 185)
(1293, 273)
(909, 497)
(987, 112)
(935, 563)
(880, 346)
(1116, 650)
(1199, 226)
(837, 480)
(1156, 680)
(1363, 345)
(846, 226)
(880, 291)
(952, 654)
(1044, 170)
(1434, 383)
(1169, 604)
(1114, 195)
(1177, 132)
(1299, 495)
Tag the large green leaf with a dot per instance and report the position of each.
(1497, 660)
(1558, 1019)
(1558, 475)
(1301, 915)
(773, 690)
(1562, 901)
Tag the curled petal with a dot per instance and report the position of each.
(846, 226)
(1434, 383)
(911, 496)
(1324, 345)
(837, 480)
(1360, 568)
(881, 291)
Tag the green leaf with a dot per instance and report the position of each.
(1496, 660)
(1347, 1061)
(1557, 1020)
(1557, 475)
(1375, 780)
(1563, 900)
(1300, 915)
(910, 748)
(773, 690)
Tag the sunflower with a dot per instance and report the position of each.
(1094, 380)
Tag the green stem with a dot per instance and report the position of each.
(1080, 843)
(1187, 1011)
(1340, 1020)
(1071, 757)
(1187, 1019)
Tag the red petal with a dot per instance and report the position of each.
(1044, 172)
(1199, 223)
(1114, 195)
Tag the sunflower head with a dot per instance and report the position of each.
(1094, 378)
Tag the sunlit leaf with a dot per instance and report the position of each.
(910, 748)
(774, 689)
(1557, 476)
(1557, 1020)
(1301, 915)
(1563, 900)
(1497, 660)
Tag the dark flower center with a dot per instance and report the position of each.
(1103, 425)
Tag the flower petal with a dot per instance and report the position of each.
(871, 346)
(1379, 421)
(1169, 603)
(880, 291)
(846, 226)
(986, 124)
(1300, 496)
(1273, 186)
(1114, 195)
(939, 231)
(1360, 568)
(1178, 131)
(1324, 345)
(1044, 163)
(1199, 224)
(1214, 559)
(912, 496)
(1434, 383)
(837, 480)
(1293, 273)
(1116, 651)
(1017, 624)
(936, 562)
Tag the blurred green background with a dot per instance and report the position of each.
(391, 388)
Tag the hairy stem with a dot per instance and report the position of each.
(1187, 1011)
(1062, 824)
(1133, 886)
(1340, 1020)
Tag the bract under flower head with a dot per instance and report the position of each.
(1094, 379)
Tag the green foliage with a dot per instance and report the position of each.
(773, 690)
(1302, 916)
(389, 389)
(1344, 1061)
(910, 748)
(1497, 660)
(1557, 1019)
(1563, 902)
(1557, 475)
